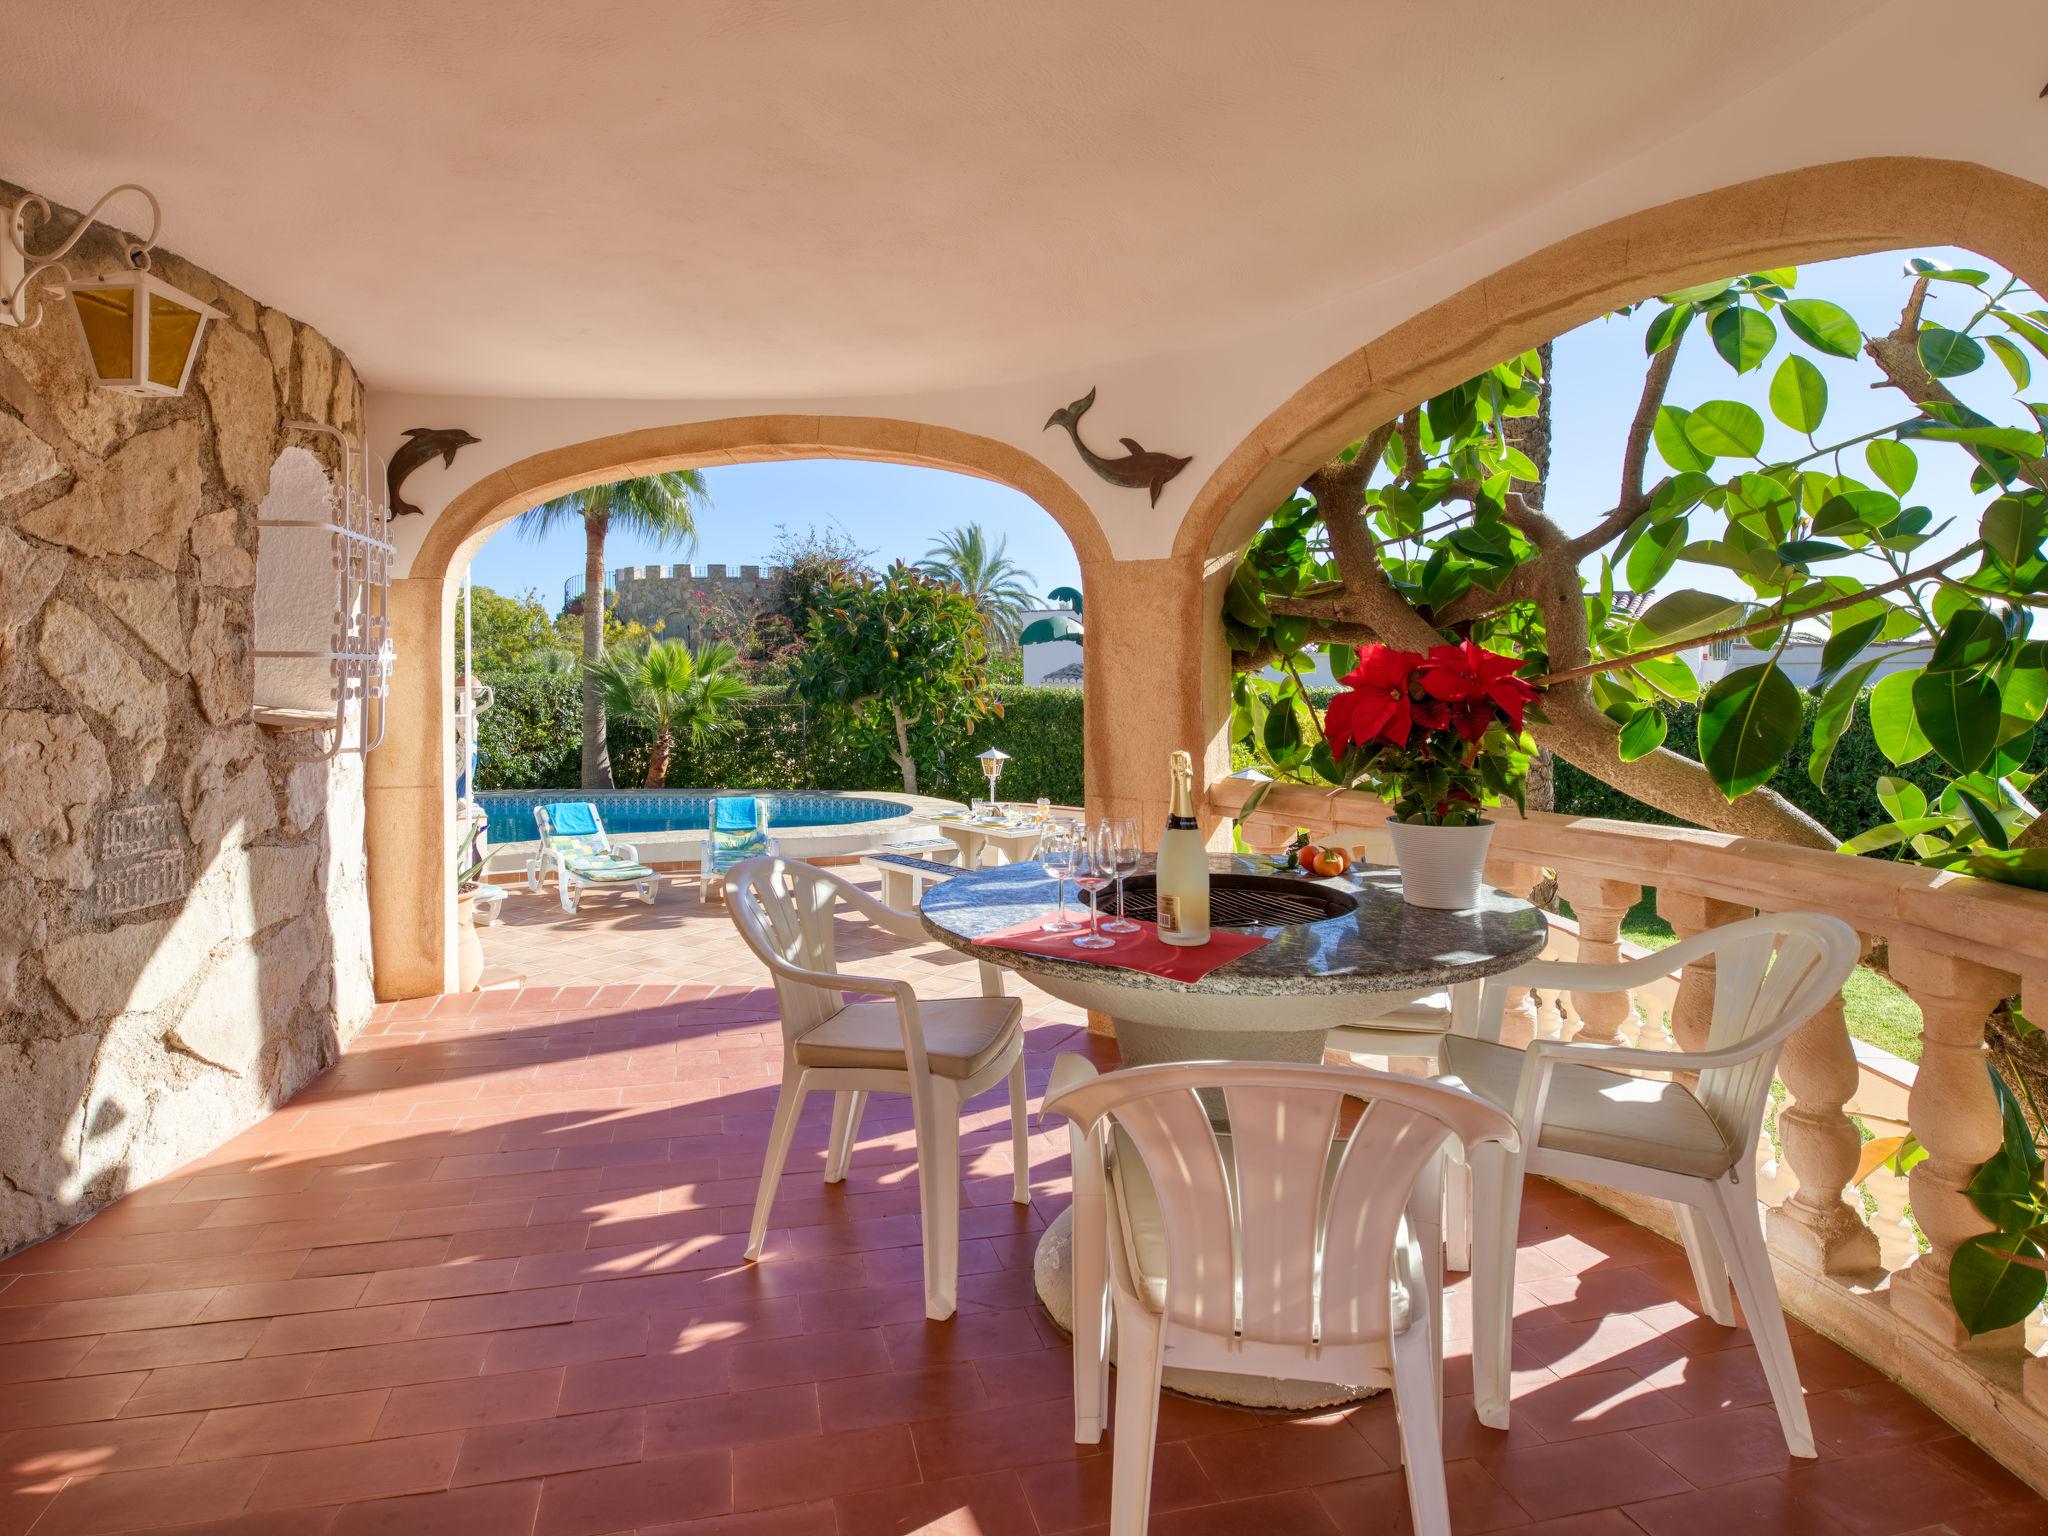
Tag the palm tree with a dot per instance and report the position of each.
(662, 508)
(996, 584)
(672, 692)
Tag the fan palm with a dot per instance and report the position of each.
(671, 691)
(996, 585)
(661, 508)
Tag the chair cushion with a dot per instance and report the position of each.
(604, 866)
(1429, 1014)
(1598, 1113)
(1137, 1209)
(961, 1035)
(729, 848)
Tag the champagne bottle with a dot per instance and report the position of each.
(1183, 868)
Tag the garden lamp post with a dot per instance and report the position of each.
(992, 766)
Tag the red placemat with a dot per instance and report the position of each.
(1140, 951)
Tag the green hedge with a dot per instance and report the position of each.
(532, 738)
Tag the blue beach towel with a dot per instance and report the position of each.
(574, 818)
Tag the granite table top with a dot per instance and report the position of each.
(1384, 946)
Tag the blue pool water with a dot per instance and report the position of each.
(641, 810)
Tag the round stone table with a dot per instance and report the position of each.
(1373, 953)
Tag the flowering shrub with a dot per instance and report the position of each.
(1438, 736)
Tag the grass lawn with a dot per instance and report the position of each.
(1878, 1012)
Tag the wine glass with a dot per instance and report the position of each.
(1056, 853)
(1121, 836)
(1094, 867)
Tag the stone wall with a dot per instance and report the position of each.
(687, 603)
(184, 933)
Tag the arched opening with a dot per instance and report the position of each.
(1847, 208)
(411, 781)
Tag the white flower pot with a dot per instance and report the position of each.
(1441, 867)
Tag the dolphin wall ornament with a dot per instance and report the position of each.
(421, 444)
(1139, 467)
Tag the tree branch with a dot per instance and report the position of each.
(1897, 356)
(1754, 626)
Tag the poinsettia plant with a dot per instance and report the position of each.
(1437, 735)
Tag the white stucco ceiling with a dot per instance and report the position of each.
(814, 198)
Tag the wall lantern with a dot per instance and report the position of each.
(140, 333)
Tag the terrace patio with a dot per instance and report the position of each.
(484, 1276)
(300, 1238)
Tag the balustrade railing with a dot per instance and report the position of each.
(1956, 946)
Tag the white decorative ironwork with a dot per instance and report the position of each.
(359, 652)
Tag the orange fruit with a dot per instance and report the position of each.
(1331, 861)
(1305, 858)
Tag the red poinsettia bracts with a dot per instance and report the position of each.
(1376, 703)
(1476, 682)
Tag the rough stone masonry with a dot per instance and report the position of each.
(184, 931)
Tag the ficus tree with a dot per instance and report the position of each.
(905, 654)
(1435, 527)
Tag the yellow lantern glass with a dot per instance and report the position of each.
(140, 333)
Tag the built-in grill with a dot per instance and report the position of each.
(1246, 901)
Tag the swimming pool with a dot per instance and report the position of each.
(630, 812)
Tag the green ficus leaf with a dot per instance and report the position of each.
(1988, 1284)
(2013, 527)
(1799, 394)
(1675, 445)
(1949, 354)
(1653, 555)
(1666, 327)
(1893, 463)
(2013, 359)
(1725, 429)
(1969, 640)
(1825, 327)
(1957, 713)
(1744, 337)
(1902, 799)
(1892, 721)
(1684, 614)
(1748, 722)
(1643, 733)
(1837, 707)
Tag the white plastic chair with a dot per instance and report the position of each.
(1285, 1245)
(940, 1053)
(1581, 1114)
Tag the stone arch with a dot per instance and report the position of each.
(1848, 208)
(410, 779)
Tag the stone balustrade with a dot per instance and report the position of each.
(1956, 946)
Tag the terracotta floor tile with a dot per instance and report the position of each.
(968, 1443)
(42, 1358)
(1598, 1472)
(128, 1501)
(807, 1357)
(609, 1499)
(393, 1365)
(536, 1447)
(1594, 1403)
(155, 1348)
(605, 1338)
(356, 1328)
(1720, 1448)
(222, 1384)
(1277, 1514)
(500, 1509)
(1277, 1457)
(108, 1445)
(1380, 1504)
(1072, 1495)
(603, 1384)
(904, 1397)
(32, 1404)
(353, 1473)
(774, 1472)
(1764, 1506)
(1887, 1491)
(264, 1428)
(734, 1419)
(990, 1504)
(469, 1403)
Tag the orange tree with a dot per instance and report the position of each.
(1435, 528)
(900, 656)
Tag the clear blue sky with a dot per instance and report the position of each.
(895, 510)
